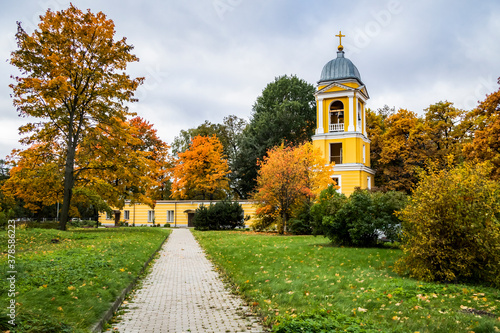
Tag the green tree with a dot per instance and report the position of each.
(73, 78)
(284, 112)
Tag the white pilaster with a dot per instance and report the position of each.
(363, 115)
(320, 129)
(352, 116)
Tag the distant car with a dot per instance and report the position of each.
(75, 219)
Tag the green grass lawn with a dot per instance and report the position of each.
(296, 276)
(67, 286)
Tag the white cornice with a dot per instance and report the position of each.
(353, 167)
(335, 94)
(361, 89)
(340, 135)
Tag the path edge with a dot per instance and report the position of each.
(97, 327)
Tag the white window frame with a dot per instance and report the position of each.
(339, 126)
(151, 216)
(126, 214)
(109, 216)
(369, 182)
(339, 177)
(170, 216)
(341, 152)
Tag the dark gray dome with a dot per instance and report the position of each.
(340, 68)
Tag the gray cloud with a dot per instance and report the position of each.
(204, 60)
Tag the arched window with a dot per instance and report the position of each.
(336, 117)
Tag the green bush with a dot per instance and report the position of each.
(360, 219)
(385, 206)
(301, 224)
(85, 223)
(329, 202)
(167, 225)
(5, 216)
(224, 214)
(451, 228)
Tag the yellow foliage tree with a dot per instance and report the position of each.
(402, 149)
(201, 171)
(485, 145)
(287, 176)
(451, 228)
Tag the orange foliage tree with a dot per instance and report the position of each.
(201, 171)
(36, 179)
(485, 145)
(73, 78)
(287, 177)
(126, 161)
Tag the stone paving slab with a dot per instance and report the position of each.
(183, 293)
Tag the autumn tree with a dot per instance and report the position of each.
(284, 112)
(36, 179)
(444, 131)
(375, 127)
(287, 177)
(201, 171)
(112, 164)
(485, 145)
(73, 79)
(228, 132)
(156, 151)
(402, 149)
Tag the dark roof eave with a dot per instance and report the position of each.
(342, 78)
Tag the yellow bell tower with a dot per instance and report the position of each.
(341, 123)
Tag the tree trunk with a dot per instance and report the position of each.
(68, 186)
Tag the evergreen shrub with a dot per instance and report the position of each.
(224, 214)
(301, 224)
(361, 218)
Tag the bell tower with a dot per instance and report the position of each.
(341, 134)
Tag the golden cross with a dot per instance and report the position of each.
(340, 39)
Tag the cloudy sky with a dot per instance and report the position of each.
(206, 59)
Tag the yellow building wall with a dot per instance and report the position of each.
(139, 213)
(352, 149)
(352, 179)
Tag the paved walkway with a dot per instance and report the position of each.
(183, 293)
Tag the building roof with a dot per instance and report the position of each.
(340, 68)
